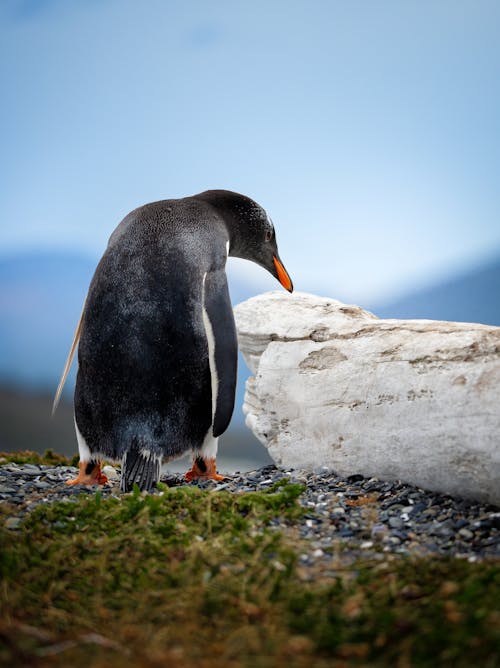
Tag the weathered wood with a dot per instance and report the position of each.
(416, 400)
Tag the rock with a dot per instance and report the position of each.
(395, 522)
(379, 532)
(110, 472)
(466, 534)
(334, 386)
(13, 523)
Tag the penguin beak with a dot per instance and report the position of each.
(282, 274)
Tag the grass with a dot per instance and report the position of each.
(201, 578)
(29, 457)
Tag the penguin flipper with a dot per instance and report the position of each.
(217, 305)
(69, 360)
(139, 467)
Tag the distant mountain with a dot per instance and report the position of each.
(473, 296)
(41, 296)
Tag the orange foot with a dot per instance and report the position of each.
(89, 474)
(204, 469)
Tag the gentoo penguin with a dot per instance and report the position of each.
(157, 348)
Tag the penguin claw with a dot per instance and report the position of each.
(203, 469)
(95, 477)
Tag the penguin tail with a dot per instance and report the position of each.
(141, 467)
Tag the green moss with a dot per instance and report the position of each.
(196, 577)
(29, 457)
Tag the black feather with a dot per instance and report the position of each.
(141, 470)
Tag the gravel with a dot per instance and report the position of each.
(344, 518)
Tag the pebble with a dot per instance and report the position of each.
(111, 473)
(13, 522)
(379, 532)
(466, 534)
(395, 522)
(350, 516)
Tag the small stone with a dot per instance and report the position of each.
(379, 532)
(400, 534)
(321, 470)
(394, 507)
(466, 534)
(278, 566)
(419, 507)
(110, 472)
(13, 523)
(53, 477)
(441, 530)
(395, 523)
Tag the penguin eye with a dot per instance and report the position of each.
(269, 235)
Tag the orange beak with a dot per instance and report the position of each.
(283, 276)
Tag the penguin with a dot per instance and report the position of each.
(157, 346)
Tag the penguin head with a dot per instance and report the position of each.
(251, 231)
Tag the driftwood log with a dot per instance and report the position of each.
(416, 400)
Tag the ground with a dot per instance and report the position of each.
(196, 577)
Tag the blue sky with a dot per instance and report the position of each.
(370, 131)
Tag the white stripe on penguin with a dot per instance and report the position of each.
(211, 352)
(83, 448)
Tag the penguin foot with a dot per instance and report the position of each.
(203, 469)
(89, 474)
